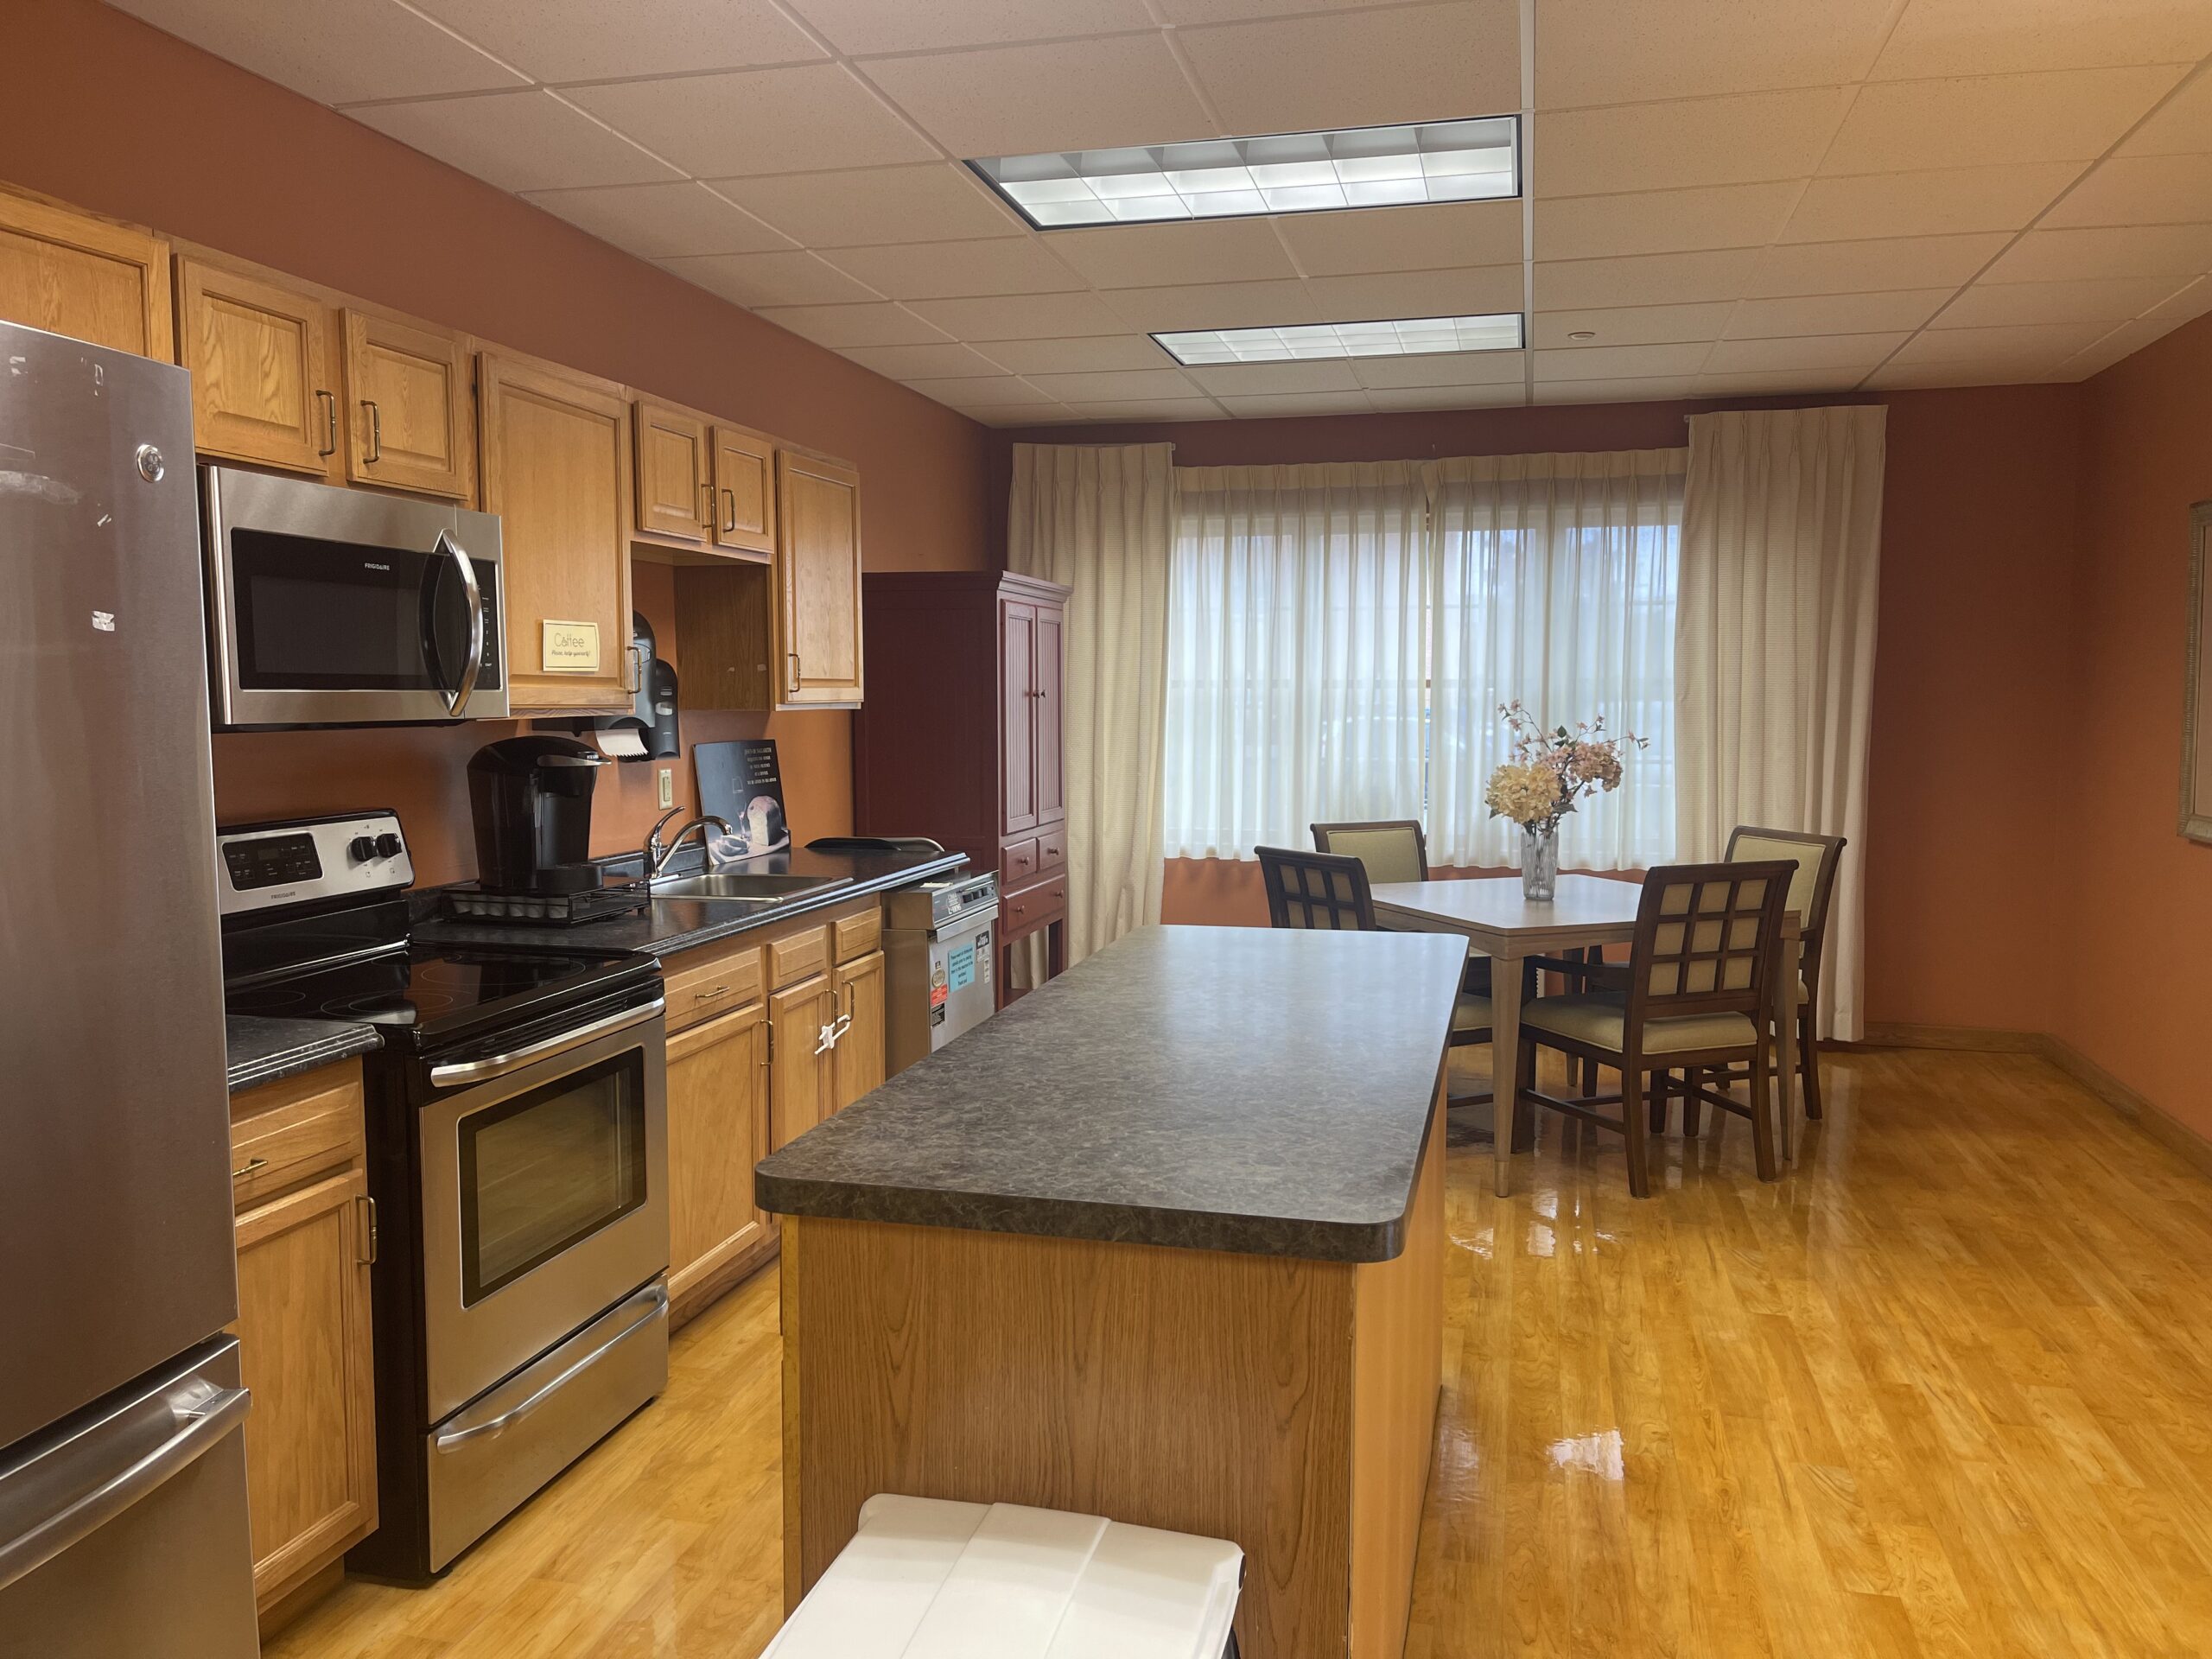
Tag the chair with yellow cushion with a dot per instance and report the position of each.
(1700, 970)
(1811, 886)
(1395, 850)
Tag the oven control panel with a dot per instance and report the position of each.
(302, 861)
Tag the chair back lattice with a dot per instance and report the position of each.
(1705, 939)
(1394, 849)
(1316, 890)
(1811, 884)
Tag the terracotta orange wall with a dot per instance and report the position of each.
(104, 112)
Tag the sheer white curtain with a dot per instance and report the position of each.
(1295, 653)
(1781, 544)
(1554, 584)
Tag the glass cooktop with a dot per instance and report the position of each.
(433, 992)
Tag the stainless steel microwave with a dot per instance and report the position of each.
(331, 607)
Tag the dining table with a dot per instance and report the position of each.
(1500, 922)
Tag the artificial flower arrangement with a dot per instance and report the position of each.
(1549, 773)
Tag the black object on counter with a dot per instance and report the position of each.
(531, 796)
(873, 844)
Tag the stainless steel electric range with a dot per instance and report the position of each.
(517, 1119)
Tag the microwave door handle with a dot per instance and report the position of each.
(457, 699)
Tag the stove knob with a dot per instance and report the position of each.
(361, 850)
(388, 845)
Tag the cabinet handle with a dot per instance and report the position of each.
(796, 668)
(729, 500)
(707, 518)
(329, 401)
(368, 1229)
(376, 434)
(247, 1168)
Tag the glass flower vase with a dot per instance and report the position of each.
(1540, 861)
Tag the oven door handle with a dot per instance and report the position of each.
(457, 699)
(497, 1065)
(653, 1297)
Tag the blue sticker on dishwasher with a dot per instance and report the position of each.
(963, 966)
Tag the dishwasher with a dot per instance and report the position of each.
(940, 960)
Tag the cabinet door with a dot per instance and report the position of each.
(717, 1130)
(744, 491)
(409, 408)
(859, 1055)
(818, 568)
(304, 1344)
(262, 388)
(1017, 716)
(799, 1064)
(1051, 779)
(675, 496)
(70, 274)
(556, 470)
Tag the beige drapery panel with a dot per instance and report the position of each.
(1101, 520)
(1774, 657)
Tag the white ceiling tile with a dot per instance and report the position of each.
(1835, 314)
(2137, 190)
(1989, 305)
(1777, 382)
(796, 120)
(1078, 356)
(938, 362)
(2122, 342)
(1158, 256)
(1379, 296)
(1988, 37)
(2192, 301)
(1593, 51)
(1359, 68)
(1014, 100)
(2035, 342)
(1796, 355)
(1644, 389)
(1441, 369)
(936, 201)
(353, 49)
(1632, 325)
(1304, 403)
(866, 28)
(1983, 120)
(1901, 376)
(1178, 408)
(658, 220)
(1023, 317)
(976, 391)
(945, 270)
(1426, 238)
(1413, 398)
(1019, 414)
(1664, 221)
(1871, 267)
(1621, 362)
(2113, 251)
(518, 141)
(1644, 279)
(1264, 379)
(1939, 202)
(2180, 126)
(1685, 143)
(753, 279)
(1216, 305)
(1231, 11)
(590, 39)
(842, 325)
(1116, 386)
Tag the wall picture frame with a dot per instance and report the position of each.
(2196, 707)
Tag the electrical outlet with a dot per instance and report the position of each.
(667, 787)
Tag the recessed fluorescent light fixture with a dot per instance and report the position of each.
(1401, 337)
(1287, 173)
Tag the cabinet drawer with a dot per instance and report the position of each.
(797, 955)
(699, 985)
(1023, 913)
(1017, 862)
(288, 1132)
(1052, 848)
(859, 934)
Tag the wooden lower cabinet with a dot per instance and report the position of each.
(857, 1060)
(801, 1066)
(717, 1130)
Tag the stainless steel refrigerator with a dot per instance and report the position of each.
(123, 1495)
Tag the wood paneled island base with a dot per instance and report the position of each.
(1289, 1405)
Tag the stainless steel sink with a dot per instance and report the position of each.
(743, 885)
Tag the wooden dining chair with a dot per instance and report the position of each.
(1700, 970)
(1812, 884)
(1332, 890)
(1395, 849)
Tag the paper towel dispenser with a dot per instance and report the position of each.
(648, 732)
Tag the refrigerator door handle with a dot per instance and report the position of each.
(28, 1542)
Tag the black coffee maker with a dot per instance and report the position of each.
(532, 799)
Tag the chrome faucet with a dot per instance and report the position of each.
(656, 854)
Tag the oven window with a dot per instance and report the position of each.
(546, 1169)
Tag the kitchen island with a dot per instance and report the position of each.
(1161, 1242)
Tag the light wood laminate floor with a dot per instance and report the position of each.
(1944, 1390)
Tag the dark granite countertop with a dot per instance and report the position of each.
(1209, 1087)
(668, 926)
(262, 1051)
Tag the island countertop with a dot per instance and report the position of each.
(1255, 1090)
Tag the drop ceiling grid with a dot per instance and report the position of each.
(1688, 142)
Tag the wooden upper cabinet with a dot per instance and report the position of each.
(676, 499)
(263, 388)
(744, 491)
(1045, 759)
(1017, 715)
(410, 408)
(71, 274)
(818, 571)
(557, 465)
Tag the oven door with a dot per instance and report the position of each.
(544, 1195)
(334, 607)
